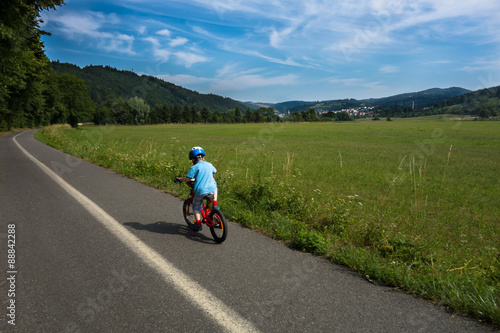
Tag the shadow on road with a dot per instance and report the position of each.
(162, 227)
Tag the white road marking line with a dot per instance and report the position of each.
(215, 308)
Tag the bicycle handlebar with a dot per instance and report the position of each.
(177, 181)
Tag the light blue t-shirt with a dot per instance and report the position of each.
(203, 173)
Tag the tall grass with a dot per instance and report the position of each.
(413, 203)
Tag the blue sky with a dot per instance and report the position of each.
(282, 50)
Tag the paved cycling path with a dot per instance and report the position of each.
(98, 252)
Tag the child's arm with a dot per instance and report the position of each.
(183, 179)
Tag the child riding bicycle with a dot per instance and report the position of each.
(203, 173)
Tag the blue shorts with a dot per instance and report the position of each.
(198, 201)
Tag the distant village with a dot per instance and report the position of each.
(361, 111)
(355, 112)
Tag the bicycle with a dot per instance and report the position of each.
(211, 215)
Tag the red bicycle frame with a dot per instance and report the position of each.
(205, 211)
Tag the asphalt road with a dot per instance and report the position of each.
(98, 252)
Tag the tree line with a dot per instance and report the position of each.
(135, 111)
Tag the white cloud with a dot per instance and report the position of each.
(178, 41)
(164, 32)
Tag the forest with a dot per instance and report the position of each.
(28, 91)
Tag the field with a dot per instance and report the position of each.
(412, 202)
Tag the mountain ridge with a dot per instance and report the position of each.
(418, 99)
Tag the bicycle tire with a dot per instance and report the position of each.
(219, 230)
(187, 211)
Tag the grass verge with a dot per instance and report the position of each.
(412, 203)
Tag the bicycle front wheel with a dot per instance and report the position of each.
(219, 229)
(187, 211)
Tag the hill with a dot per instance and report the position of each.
(104, 82)
(421, 99)
(484, 102)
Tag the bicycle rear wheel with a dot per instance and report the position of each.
(219, 230)
(187, 211)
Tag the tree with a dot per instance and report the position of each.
(205, 114)
(102, 115)
(310, 115)
(249, 116)
(269, 115)
(139, 110)
(186, 114)
(237, 115)
(484, 112)
(231, 116)
(258, 117)
(194, 115)
(328, 116)
(74, 102)
(297, 116)
(175, 115)
(344, 116)
(155, 115)
(120, 111)
(216, 118)
(165, 114)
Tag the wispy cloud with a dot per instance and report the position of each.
(229, 78)
(188, 59)
(164, 46)
(482, 64)
(91, 26)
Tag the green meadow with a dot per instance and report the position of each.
(413, 203)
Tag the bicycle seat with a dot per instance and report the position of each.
(208, 196)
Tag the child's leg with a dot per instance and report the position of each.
(215, 198)
(197, 216)
(197, 205)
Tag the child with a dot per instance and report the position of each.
(204, 183)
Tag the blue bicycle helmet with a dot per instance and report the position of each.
(196, 151)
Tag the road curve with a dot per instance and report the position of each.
(98, 252)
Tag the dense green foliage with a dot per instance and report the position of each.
(411, 202)
(25, 94)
